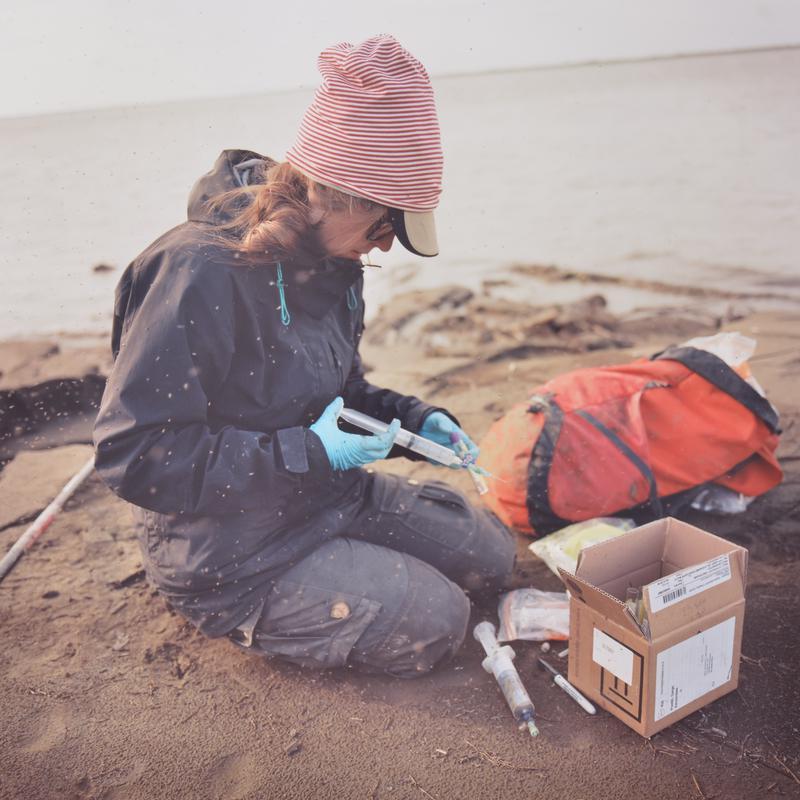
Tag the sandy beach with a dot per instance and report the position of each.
(107, 694)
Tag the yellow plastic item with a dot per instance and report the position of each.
(560, 549)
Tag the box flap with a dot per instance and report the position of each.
(605, 563)
(684, 571)
(686, 545)
(600, 601)
(689, 594)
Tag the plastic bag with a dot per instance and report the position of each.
(721, 500)
(560, 549)
(533, 615)
(735, 350)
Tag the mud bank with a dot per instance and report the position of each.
(105, 693)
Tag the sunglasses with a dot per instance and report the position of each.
(383, 227)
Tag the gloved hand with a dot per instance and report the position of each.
(350, 450)
(441, 429)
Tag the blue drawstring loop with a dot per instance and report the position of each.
(285, 316)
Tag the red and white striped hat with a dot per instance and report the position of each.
(372, 131)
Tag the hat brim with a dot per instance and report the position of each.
(416, 231)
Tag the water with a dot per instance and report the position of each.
(681, 170)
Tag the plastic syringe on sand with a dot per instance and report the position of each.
(499, 661)
(419, 444)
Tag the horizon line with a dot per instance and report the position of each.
(440, 75)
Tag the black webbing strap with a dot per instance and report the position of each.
(655, 502)
(540, 514)
(718, 373)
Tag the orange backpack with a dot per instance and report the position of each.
(641, 438)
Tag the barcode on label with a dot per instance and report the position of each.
(688, 582)
(670, 596)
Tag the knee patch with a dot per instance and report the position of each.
(429, 628)
(311, 626)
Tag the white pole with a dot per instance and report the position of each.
(42, 522)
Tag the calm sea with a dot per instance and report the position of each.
(681, 170)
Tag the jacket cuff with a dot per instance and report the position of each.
(302, 452)
(319, 465)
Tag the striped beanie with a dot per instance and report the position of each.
(372, 131)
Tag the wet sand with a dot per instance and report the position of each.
(107, 694)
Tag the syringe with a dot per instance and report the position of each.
(478, 480)
(499, 661)
(425, 447)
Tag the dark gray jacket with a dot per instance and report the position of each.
(204, 421)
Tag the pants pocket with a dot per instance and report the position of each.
(312, 626)
(441, 514)
(437, 524)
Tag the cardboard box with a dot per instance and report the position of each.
(693, 593)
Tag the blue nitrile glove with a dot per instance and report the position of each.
(350, 450)
(441, 429)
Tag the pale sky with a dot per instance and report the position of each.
(59, 56)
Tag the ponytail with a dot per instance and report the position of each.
(274, 216)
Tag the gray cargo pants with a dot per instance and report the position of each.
(386, 595)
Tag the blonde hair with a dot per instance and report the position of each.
(272, 218)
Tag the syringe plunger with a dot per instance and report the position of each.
(499, 661)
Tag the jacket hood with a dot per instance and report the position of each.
(232, 170)
(315, 281)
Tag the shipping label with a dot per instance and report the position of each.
(694, 667)
(687, 582)
(613, 656)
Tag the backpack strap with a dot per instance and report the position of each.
(540, 515)
(633, 457)
(718, 373)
